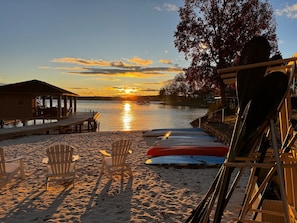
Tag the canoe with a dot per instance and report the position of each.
(186, 160)
(205, 150)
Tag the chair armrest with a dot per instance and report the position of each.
(14, 159)
(44, 160)
(104, 153)
(75, 158)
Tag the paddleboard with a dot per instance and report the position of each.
(177, 129)
(205, 150)
(186, 160)
(186, 142)
(188, 137)
(174, 132)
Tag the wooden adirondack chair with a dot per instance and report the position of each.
(9, 168)
(115, 162)
(60, 162)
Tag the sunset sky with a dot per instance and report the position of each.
(103, 48)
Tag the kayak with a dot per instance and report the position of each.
(187, 141)
(186, 160)
(188, 137)
(176, 132)
(206, 149)
(176, 129)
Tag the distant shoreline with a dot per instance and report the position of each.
(119, 98)
(191, 103)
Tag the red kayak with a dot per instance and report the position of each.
(205, 150)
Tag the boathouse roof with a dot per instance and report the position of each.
(35, 87)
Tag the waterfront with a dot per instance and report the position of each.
(128, 115)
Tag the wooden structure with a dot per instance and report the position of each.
(74, 123)
(280, 164)
(31, 100)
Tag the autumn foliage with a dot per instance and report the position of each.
(211, 34)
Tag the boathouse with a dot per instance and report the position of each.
(34, 99)
(38, 100)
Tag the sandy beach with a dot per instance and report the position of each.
(153, 194)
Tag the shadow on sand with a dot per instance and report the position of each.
(101, 201)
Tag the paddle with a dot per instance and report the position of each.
(255, 51)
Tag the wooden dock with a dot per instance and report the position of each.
(74, 123)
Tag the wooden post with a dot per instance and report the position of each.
(70, 106)
(74, 104)
(59, 109)
(65, 106)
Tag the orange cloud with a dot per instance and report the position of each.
(82, 61)
(165, 61)
(140, 61)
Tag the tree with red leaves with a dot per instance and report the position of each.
(211, 34)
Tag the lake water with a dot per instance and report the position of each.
(128, 115)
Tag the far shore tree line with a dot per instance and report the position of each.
(211, 35)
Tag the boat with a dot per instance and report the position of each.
(185, 141)
(197, 136)
(142, 102)
(174, 132)
(186, 160)
(206, 149)
(176, 129)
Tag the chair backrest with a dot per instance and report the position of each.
(120, 151)
(2, 163)
(60, 158)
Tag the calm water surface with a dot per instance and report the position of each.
(128, 115)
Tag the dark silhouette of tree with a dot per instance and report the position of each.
(176, 87)
(211, 34)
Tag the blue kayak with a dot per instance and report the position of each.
(186, 160)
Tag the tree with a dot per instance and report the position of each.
(176, 87)
(211, 33)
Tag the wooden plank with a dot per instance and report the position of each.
(250, 66)
(72, 120)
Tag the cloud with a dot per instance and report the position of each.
(135, 67)
(165, 61)
(149, 90)
(140, 73)
(69, 68)
(81, 61)
(288, 11)
(135, 89)
(158, 8)
(140, 61)
(167, 7)
(170, 7)
(44, 67)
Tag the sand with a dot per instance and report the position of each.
(153, 194)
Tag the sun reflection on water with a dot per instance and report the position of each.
(127, 117)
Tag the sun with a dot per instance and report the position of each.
(128, 91)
